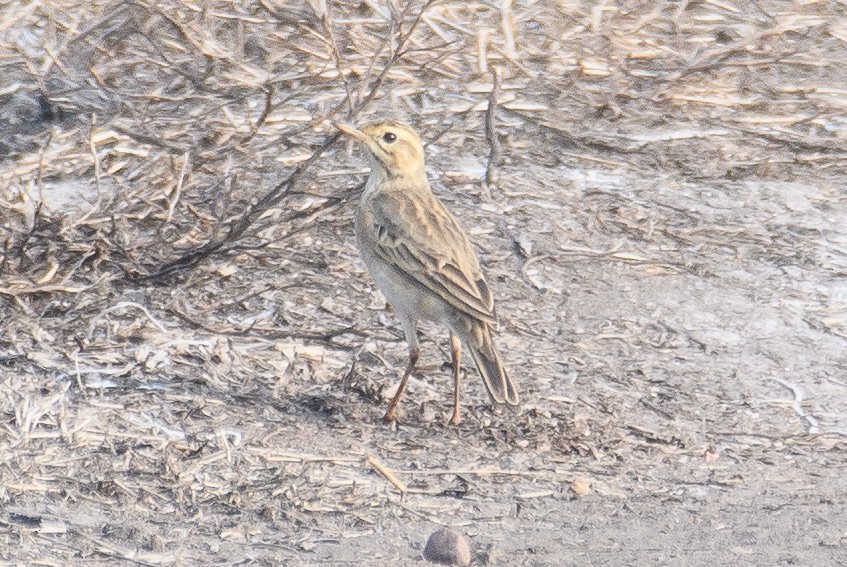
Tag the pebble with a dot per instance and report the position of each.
(448, 547)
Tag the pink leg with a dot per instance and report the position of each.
(391, 414)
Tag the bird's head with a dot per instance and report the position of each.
(393, 147)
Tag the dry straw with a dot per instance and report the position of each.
(187, 338)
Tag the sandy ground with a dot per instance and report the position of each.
(665, 240)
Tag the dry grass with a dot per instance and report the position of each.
(189, 343)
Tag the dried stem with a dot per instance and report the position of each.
(495, 150)
(277, 194)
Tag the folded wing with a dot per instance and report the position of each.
(422, 239)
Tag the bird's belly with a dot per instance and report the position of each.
(405, 297)
(410, 301)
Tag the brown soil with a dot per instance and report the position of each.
(664, 234)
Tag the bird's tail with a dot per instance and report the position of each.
(500, 386)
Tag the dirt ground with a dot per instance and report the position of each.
(194, 363)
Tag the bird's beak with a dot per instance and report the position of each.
(352, 132)
(370, 144)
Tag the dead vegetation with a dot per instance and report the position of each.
(194, 362)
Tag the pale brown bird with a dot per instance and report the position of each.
(422, 261)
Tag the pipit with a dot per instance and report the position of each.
(422, 261)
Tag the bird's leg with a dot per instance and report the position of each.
(456, 348)
(391, 414)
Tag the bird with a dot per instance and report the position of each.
(422, 260)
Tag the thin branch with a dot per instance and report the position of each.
(326, 20)
(273, 197)
(395, 55)
(269, 95)
(496, 151)
(237, 230)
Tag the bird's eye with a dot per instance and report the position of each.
(389, 137)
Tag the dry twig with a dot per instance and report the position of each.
(389, 476)
(277, 194)
(495, 149)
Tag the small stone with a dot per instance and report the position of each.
(581, 486)
(448, 547)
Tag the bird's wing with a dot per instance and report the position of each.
(416, 234)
